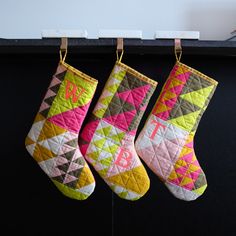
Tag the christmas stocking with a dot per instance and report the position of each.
(166, 141)
(53, 138)
(107, 141)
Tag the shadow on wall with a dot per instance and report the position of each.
(213, 23)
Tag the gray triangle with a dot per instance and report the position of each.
(44, 113)
(72, 184)
(49, 100)
(73, 143)
(195, 83)
(55, 88)
(182, 107)
(61, 75)
(59, 178)
(69, 155)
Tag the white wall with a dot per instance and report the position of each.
(215, 19)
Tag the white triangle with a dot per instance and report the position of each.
(36, 130)
(87, 189)
(30, 148)
(53, 144)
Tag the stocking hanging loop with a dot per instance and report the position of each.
(119, 49)
(63, 49)
(178, 49)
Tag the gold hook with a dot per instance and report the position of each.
(119, 48)
(178, 49)
(63, 49)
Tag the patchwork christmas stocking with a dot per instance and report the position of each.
(166, 141)
(107, 141)
(53, 138)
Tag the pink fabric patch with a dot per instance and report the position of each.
(121, 121)
(184, 77)
(72, 119)
(134, 96)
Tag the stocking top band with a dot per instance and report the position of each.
(79, 73)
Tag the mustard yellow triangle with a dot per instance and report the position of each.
(161, 108)
(181, 70)
(135, 180)
(175, 82)
(50, 130)
(38, 118)
(173, 175)
(193, 168)
(28, 141)
(42, 154)
(85, 178)
(185, 181)
(169, 95)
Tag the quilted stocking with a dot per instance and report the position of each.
(166, 141)
(53, 138)
(107, 141)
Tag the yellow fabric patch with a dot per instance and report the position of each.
(134, 180)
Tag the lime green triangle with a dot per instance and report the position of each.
(117, 137)
(123, 194)
(104, 131)
(120, 75)
(69, 192)
(106, 161)
(113, 187)
(113, 88)
(200, 190)
(111, 149)
(100, 112)
(99, 143)
(106, 101)
(94, 155)
(198, 97)
(186, 122)
(103, 172)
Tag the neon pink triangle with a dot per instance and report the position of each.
(134, 96)
(188, 158)
(184, 76)
(181, 170)
(72, 119)
(122, 120)
(189, 145)
(177, 89)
